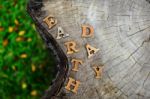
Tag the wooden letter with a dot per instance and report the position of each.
(72, 85)
(60, 33)
(71, 47)
(87, 31)
(76, 63)
(98, 71)
(50, 21)
(91, 50)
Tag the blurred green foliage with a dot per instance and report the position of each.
(25, 64)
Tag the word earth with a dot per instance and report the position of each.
(71, 46)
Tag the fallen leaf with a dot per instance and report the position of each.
(24, 85)
(29, 39)
(16, 22)
(1, 28)
(10, 29)
(33, 93)
(14, 68)
(23, 56)
(33, 67)
(18, 39)
(5, 42)
(21, 33)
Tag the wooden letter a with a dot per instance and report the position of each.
(91, 50)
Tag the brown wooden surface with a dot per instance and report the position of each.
(122, 35)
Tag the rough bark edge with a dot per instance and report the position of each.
(61, 59)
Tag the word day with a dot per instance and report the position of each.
(71, 47)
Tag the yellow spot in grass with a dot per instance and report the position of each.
(21, 33)
(24, 85)
(16, 22)
(23, 56)
(10, 29)
(33, 67)
(1, 29)
(14, 68)
(33, 26)
(29, 40)
(4, 75)
(18, 39)
(33, 93)
(5, 42)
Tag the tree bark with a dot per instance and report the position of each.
(122, 35)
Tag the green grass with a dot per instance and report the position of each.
(25, 64)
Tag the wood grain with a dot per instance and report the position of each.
(121, 32)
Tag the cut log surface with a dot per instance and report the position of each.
(122, 35)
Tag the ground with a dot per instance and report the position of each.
(25, 63)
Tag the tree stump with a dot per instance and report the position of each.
(102, 47)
